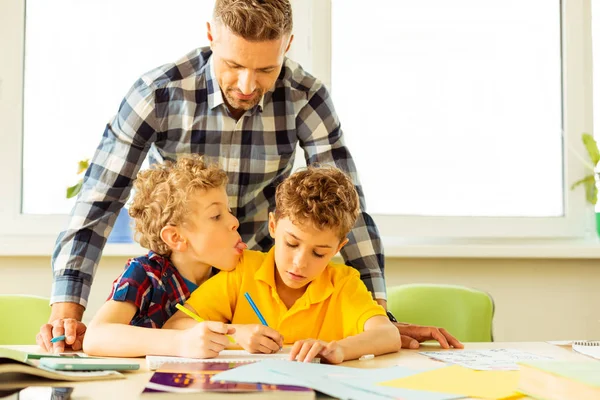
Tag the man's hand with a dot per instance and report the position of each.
(64, 320)
(412, 335)
(256, 338)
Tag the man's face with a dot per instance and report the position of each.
(302, 252)
(245, 70)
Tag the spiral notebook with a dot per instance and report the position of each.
(590, 348)
(226, 356)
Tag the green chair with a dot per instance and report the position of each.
(465, 313)
(22, 316)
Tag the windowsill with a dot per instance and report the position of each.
(492, 248)
(42, 246)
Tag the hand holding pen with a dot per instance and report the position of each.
(258, 338)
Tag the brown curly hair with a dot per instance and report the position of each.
(320, 195)
(163, 194)
(255, 20)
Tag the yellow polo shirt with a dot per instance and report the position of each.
(335, 305)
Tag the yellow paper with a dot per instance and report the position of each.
(462, 381)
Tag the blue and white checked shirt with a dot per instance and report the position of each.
(179, 109)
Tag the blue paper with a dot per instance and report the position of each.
(336, 381)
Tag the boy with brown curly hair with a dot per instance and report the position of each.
(320, 307)
(182, 216)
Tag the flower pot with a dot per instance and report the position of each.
(122, 231)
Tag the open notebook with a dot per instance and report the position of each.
(590, 348)
(226, 356)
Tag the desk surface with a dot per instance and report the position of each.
(133, 385)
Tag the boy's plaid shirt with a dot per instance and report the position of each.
(179, 109)
(154, 286)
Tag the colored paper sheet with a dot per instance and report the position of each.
(462, 381)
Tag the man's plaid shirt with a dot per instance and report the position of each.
(179, 109)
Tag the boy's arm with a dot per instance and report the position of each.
(366, 328)
(180, 320)
(110, 334)
(379, 337)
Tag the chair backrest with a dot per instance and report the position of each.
(22, 316)
(466, 313)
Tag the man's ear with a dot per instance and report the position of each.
(289, 44)
(209, 33)
(342, 244)
(172, 237)
(272, 225)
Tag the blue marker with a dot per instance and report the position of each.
(258, 314)
(58, 338)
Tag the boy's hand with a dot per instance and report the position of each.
(205, 340)
(258, 338)
(307, 350)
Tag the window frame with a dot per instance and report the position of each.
(312, 48)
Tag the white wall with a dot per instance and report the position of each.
(535, 299)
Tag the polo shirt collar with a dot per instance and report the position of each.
(316, 292)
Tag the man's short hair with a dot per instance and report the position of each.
(255, 20)
(322, 196)
(163, 195)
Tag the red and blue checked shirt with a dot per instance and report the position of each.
(179, 109)
(154, 286)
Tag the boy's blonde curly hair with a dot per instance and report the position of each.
(320, 195)
(163, 195)
(255, 20)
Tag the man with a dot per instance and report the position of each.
(241, 104)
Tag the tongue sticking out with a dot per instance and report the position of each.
(241, 246)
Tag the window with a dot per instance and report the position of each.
(453, 113)
(81, 57)
(477, 104)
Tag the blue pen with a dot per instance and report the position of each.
(258, 314)
(58, 338)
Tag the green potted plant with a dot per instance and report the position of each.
(74, 190)
(590, 181)
(122, 232)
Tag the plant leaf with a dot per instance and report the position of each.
(591, 190)
(74, 190)
(591, 147)
(82, 166)
(582, 181)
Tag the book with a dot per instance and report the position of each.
(560, 380)
(18, 369)
(590, 348)
(192, 378)
(226, 356)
